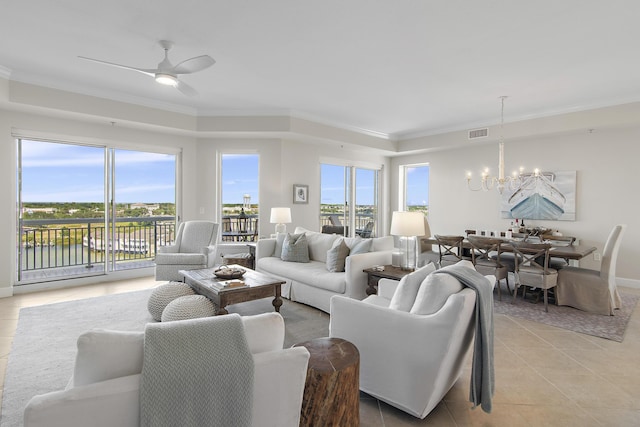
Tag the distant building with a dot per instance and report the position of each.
(31, 211)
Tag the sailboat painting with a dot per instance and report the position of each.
(542, 196)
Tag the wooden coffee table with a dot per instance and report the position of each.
(258, 286)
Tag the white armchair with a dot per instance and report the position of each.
(407, 360)
(104, 390)
(194, 248)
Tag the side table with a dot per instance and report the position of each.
(332, 389)
(389, 272)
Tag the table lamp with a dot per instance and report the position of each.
(281, 217)
(408, 225)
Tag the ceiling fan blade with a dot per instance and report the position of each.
(194, 64)
(148, 72)
(186, 89)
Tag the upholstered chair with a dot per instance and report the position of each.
(413, 337)
(194, 248)
(591, 290)
(105, 388)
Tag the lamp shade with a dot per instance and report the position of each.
(408, 224)
(280, 215)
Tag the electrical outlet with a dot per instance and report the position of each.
(597, 256)
(201, 211)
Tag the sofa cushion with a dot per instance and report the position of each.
(382, 244)
(319, 243)
(295, 248)
(104, 355)
(313, 273)
(279, 241)
(434, 291)
(337, 255)
(407, 290)
(361, 247)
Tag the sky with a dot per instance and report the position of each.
(240, 174)
(333, 192)
(55, 172)
(418, 186)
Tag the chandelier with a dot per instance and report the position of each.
(488, 182)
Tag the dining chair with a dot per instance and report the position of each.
(532, 268)
(485, 256)
(591, 290)
(556, 262)
(450, 249)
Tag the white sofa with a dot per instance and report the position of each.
(409, 360)
(311, 283)
(106, 381)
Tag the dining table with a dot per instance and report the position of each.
(558, 249)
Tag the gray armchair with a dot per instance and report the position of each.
(194, 248)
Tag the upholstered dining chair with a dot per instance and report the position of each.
(194, 248)
(485, 255)
(532, 268)
(450, 248)
(591, 290)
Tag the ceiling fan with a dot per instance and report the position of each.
(167, 73)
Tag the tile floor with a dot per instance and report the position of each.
(544, 376)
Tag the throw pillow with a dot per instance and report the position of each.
(407, 289)
(361, 247)
(434, 292)
(336, 256)
(295, 248)
(279, 241)
(104, 355)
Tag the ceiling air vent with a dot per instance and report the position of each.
(478, 133)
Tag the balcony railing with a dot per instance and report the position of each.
(361, 220)
(84, 242)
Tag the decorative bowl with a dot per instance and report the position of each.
(228, 273)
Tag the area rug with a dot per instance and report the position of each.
(609, 327)
(44, 347)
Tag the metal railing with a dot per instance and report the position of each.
(361, 220)
(57, 243)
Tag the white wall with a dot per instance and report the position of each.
(607, 193)
(283, 163)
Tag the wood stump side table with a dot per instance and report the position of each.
(332, 389)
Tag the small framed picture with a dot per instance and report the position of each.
(300, 193)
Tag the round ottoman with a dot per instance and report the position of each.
(164, 294)
(188, 307)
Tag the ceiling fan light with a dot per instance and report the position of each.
(166, 79)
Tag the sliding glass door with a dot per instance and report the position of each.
(88, 210)
(349, 199)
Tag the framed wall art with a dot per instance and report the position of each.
(542, 196)
(300, 193)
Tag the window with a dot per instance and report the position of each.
(89, 210)
(240, 204)
(415, 188)
(349, 199)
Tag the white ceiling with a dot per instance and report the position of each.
(400, 68)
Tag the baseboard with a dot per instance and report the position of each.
(6, 292)
(629, 283)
